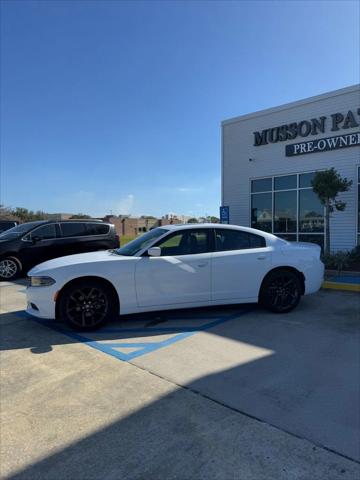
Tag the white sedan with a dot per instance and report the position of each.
(176, 266)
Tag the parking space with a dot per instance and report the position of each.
(231, 392)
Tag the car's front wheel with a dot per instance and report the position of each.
(10, 267)
(87, 304)
(281, 291)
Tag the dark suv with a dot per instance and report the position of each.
(29, 244)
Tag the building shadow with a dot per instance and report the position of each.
(306, 385)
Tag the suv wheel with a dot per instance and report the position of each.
(87, 305)
(281, 291)
(10, 267)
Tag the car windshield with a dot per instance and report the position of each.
(140, 243)
(19, 230)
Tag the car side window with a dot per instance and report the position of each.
(70, 229)
(97, 229)
(227, 239)
(186, 242)
(44, 233)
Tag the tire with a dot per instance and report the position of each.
(281, 291)
(87, 304)
(10, 267)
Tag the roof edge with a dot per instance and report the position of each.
(288, 106)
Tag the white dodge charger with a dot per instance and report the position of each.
(176, 266)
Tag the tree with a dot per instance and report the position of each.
(327, 185)
(212, 219)
(193, 220)
(26, 215)
(6, 213)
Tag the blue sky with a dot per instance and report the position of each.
(115, 106)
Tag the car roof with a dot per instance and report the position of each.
(72, 220)
(182, 226)
(69, 220)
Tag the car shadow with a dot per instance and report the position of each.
(162, 323)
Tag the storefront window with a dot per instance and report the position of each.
(261, 185)
(319, 239)
(358, 225)
(285, 211)
(261, 211)
(305, 179)
(298, 214)
(287, 236)
(311, 212)
(288, 182)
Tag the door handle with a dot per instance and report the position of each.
(261, 257)
(202, 264)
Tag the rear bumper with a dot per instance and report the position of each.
(314, 278)
(40, 302)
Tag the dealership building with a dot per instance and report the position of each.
(270, 157)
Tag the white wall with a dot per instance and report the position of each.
(270, 159)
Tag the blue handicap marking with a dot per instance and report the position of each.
(127, 351)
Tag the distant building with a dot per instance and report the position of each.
(132, 226)
(59, 216)
(126, 225)
(174, 218)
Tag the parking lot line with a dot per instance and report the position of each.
(138, 348)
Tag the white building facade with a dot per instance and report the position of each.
(269, 159)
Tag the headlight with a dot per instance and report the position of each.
(41, 281)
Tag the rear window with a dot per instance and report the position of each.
(73, 229)
(97, 229)
(227, 239)
(6, 225)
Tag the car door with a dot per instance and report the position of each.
(181, 275)
(73, 238)
(239, 263)
(40, 244)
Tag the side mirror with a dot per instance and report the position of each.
(35, 239)
(154, 252)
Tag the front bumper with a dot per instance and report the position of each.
(40, 301)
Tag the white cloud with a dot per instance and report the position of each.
(188, 189)
(124, 205)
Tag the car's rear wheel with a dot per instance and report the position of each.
(10, 267)
(281, 291)
(87, 304)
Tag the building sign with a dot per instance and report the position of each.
(224, 214)
(314, 126)
(323, 144)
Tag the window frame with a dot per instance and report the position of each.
(96, 224)
(73, 236)
(210, 241)
(249, 234)
(298, 189)
(30, 234)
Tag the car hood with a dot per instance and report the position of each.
(80, 258)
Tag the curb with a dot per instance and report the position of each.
(350, 287)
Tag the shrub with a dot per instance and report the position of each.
(354, 255)
(337, 261)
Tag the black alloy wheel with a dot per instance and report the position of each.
(281, 291)
(87, 305)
